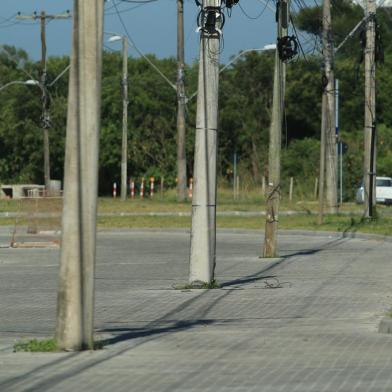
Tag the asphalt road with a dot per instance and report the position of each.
(304, 322)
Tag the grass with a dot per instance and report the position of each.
(35, 345)
(46, 346)
(336, 223)
(251, 200)
(199, 285)
(349, 218)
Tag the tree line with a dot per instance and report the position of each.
(245, 110)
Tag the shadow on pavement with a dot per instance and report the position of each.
(259, 276)
(46, 377)
(134, 333)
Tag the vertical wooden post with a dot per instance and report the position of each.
(274, 187)
(291, 188)
(328, 111)
(369, 165)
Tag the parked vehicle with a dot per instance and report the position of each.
(383, 191)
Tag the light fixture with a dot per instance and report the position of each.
(115, 38)
(269, 47)
(32, 82)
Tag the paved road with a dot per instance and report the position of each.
(316, 333)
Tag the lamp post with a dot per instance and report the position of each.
(45, 123)
(124, 85)
(45, 115)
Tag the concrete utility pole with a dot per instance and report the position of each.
(321, 182)
(275, 141)
(75, 306)
(329, 111)
(45, 116)
(181, 154)
(203, 235)
(124, 91)
(124, 149)
(369, 163)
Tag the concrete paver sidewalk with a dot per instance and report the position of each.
(305, 322)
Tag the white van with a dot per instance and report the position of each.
(383, 191)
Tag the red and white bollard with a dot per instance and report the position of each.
(190, 193)
(152, 180)
(142, 189)
(115, 189)
(132, 188)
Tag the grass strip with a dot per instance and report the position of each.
(335, 223)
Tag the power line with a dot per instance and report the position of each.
(140, 52)
(123, 11)
(254, 17)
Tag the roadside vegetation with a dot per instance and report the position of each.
(245, 109)
(244, 213)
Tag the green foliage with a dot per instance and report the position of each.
(47, 346)
(303, 170)
(34, 345)
(245, 113)
(246, 101)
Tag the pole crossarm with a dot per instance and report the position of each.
(36, 16)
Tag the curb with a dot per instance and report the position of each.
(5, 230)
(385, 325)
(331, 234)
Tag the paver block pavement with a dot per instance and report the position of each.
(307, 321)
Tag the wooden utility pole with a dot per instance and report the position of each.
(203, 235)
(124, 149)
(329, 111)
(45, 116)
(275, 141)
(75, 305)
(181, 154)
(369, 164)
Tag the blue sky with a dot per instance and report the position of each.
(152, 26)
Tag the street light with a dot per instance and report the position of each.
(32, 82)
(27, 82)
(124, 84)
(45, 121)
(263, 49)
(45, 116)
(115, 38)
